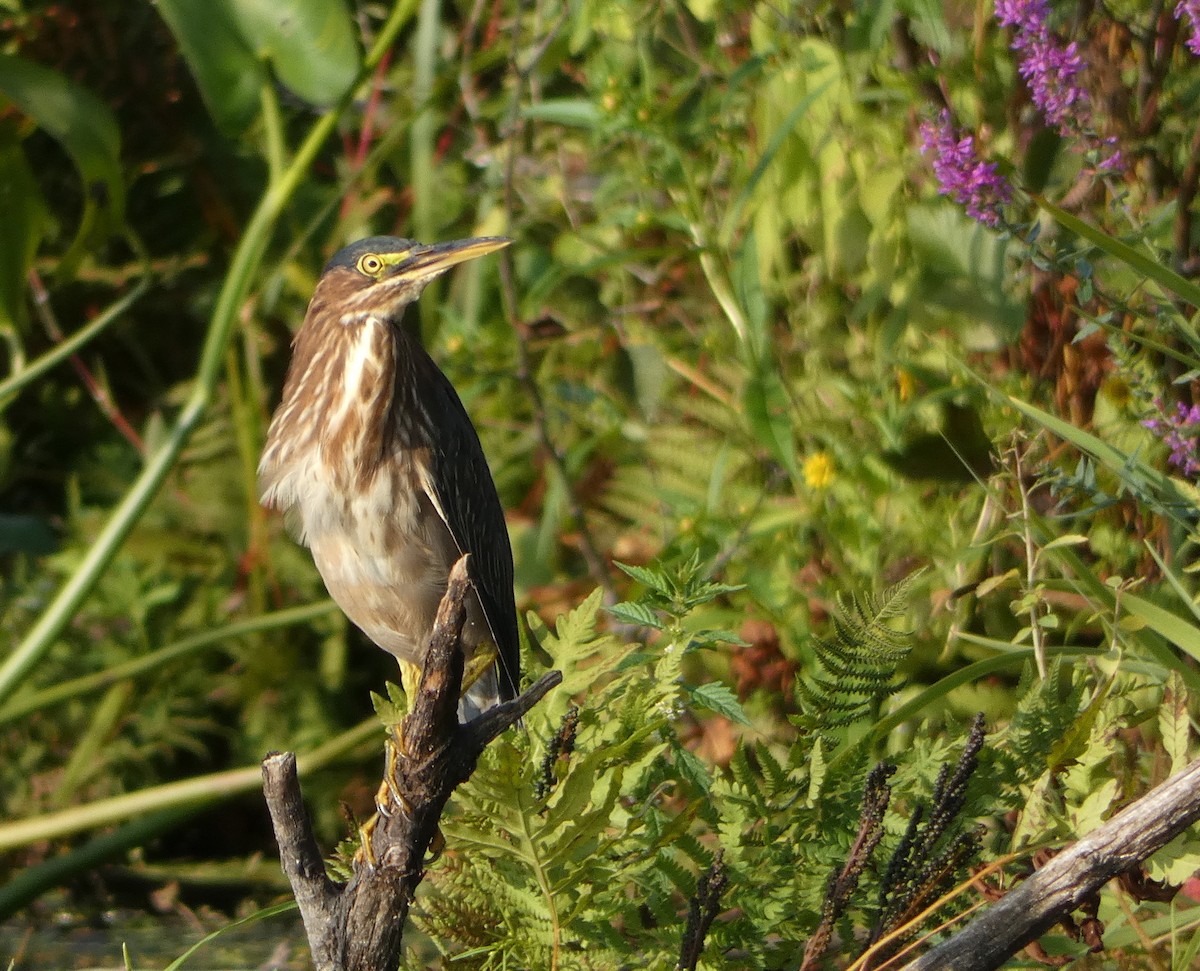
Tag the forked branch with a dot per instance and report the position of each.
(359, 926)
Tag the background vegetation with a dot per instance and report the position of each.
(741, 345)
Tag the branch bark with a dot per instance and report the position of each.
(359, 926)
(1055, 890)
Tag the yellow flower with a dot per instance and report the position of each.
(818, 470)
(905, 383)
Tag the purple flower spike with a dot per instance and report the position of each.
(961, 173)
(1192, 9)
(1179, 432)
(1052, 73)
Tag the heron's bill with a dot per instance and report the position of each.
(439, 257)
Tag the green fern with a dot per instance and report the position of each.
(541, 875)
(857, 665)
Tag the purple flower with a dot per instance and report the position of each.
(1051, 71)
(961, 173)
(1027, 16)
(1192, 9)
(1179, 432)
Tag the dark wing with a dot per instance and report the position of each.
(467, 500)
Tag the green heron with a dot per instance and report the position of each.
(379, 471)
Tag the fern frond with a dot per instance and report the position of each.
(856, 667)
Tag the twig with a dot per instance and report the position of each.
(360, 925)
(1073, 876)
(100, 395)
(302, 863)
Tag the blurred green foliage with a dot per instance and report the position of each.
(740, 345)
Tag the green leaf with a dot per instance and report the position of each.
(311, 43)
(717, 697)
(818, 769)
(571, 112)
(636, 613)
(222, 61)
(24, 226)
(1173, 723)
(692, 768)
(964, 271)
(767, 412)
(1137, 474)
(1177, 861)
(1071, 539)
(748, 287)
(929, 24)
(654, 579)
(87, 130)
(1142, 262)
(1169, 625)
(798, 111)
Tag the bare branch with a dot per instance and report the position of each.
(1073, 876)
(298, 850)
(360, 926)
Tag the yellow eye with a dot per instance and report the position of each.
(370, 264)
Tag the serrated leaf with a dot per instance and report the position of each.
(692, 768)
(1173, 723)
(717, 697)
(636, 659)
(637, 614)
(718, 635)
(654, 579)
(1177, 861)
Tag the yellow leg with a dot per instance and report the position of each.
(478, 664)
(365, 851)
(387, 798)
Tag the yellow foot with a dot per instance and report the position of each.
(389, 794)
(365, 852)
(388, 798)
(477, 665)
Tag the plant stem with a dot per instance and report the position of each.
(199, 791)
(91, 683)
(60, 352)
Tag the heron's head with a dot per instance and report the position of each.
(378, 276)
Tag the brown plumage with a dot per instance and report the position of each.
(377, 466)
